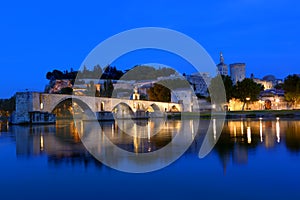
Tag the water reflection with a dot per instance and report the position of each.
(144, 145)
(267, 131)
(233, 144)
(61, 143)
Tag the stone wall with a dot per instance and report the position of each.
(24, 104)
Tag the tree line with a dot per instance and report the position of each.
(108, 73)
(138, 72)
(248, 90)
(7, 106)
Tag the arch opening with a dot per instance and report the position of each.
(71, 108)
(123, 111)
(153, 108)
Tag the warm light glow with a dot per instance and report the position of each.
(260, 130)
(42, 106)
(42, 143)
(102, 106)
(242, 128)
(192, 128)
(234, 130)
(278, 131)
(135, 139)
(248, 98)
(214, 129)
(249, 134)
(149, 131)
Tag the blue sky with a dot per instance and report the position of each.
(40, 36)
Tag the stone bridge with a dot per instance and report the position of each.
(28, 102)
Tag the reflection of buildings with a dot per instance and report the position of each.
(240, 136)
(139, 136)
(60, 143)
(3, 126)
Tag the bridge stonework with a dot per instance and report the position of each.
(27, 102)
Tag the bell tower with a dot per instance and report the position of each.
(222, 67)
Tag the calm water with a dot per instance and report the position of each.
(252, 159)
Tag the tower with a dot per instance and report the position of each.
(222, 67)
(237, 72)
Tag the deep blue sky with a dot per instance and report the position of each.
(37, 37)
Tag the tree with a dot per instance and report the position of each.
(58, 75)
(66, 90)
(228, 86)
(7, 106)
(49, 76)
(291, 87)
(159, 93)
(143, 72)
(245, 89)
(110, 72)
(279, 86)
(107, 89)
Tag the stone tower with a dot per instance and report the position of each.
(222, 67)
(237, 72)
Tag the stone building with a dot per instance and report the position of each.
(199, 82)
(267, 84)
(237, 72)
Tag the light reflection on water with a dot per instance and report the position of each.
(63, 141)
(271, 149)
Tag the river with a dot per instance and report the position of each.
(250, 159)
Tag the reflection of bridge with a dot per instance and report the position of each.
(34, 106)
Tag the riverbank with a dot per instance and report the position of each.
(264, 114)
(270, 114)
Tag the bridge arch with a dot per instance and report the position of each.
(122, 110)
(154, 108)
(174, 108)
(76, 107)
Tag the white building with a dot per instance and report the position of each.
(185, 96)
